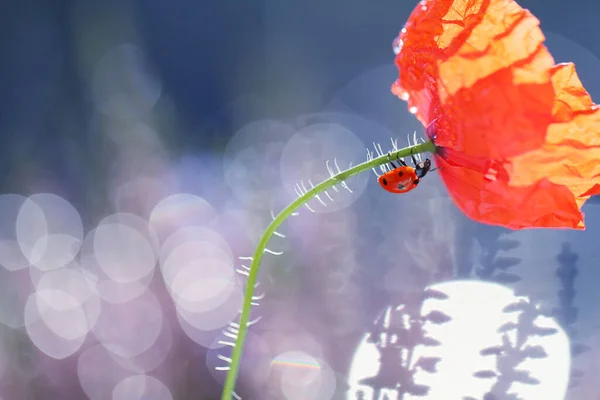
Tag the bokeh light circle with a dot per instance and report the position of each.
(128, 329)
(304, 377)
(124, 254)
(196, 252)
(44, 336)
(213, 318)
(49, 231)
(203, 286)
(141, 387)
(108, 289)
(180, 210)
(135, 222)
(67, 294)
(322, 139)
(61, 312)
(252, 160)
(193, 234)
(99, 373)
(153, 357)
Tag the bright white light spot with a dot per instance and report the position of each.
(304, 377)
(413, 110)
(141, 387)
(128, 329)
(306, 154)
(252, 160)
(123, 252)
(178, 211)
(122, 85)
(397, 45)
(476, 312)
(49, 231)
(99, 373)
(44, 337)
(11, 256)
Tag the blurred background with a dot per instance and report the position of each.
(143, 147)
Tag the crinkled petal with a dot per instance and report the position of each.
(480, 68)
(489, 199)
(571, 154)
(519, 137)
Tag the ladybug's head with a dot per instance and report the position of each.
(422, 168)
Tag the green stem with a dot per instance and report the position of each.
(264, 240)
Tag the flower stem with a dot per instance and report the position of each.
(279, 219)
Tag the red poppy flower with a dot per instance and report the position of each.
(518, 137)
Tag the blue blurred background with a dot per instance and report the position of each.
(143, 145)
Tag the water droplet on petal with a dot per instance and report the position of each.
(397, 45)
(413, 110)
(405, 96)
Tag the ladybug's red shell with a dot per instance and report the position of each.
(399, 180)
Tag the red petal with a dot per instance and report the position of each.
(480, 68)
(490, 200)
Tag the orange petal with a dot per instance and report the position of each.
(571, 153)
(571, 98)
(480, 68)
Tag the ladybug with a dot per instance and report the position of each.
(404, 178)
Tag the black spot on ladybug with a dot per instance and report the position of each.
(416, 182)
(384, 181)
(400, 173)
